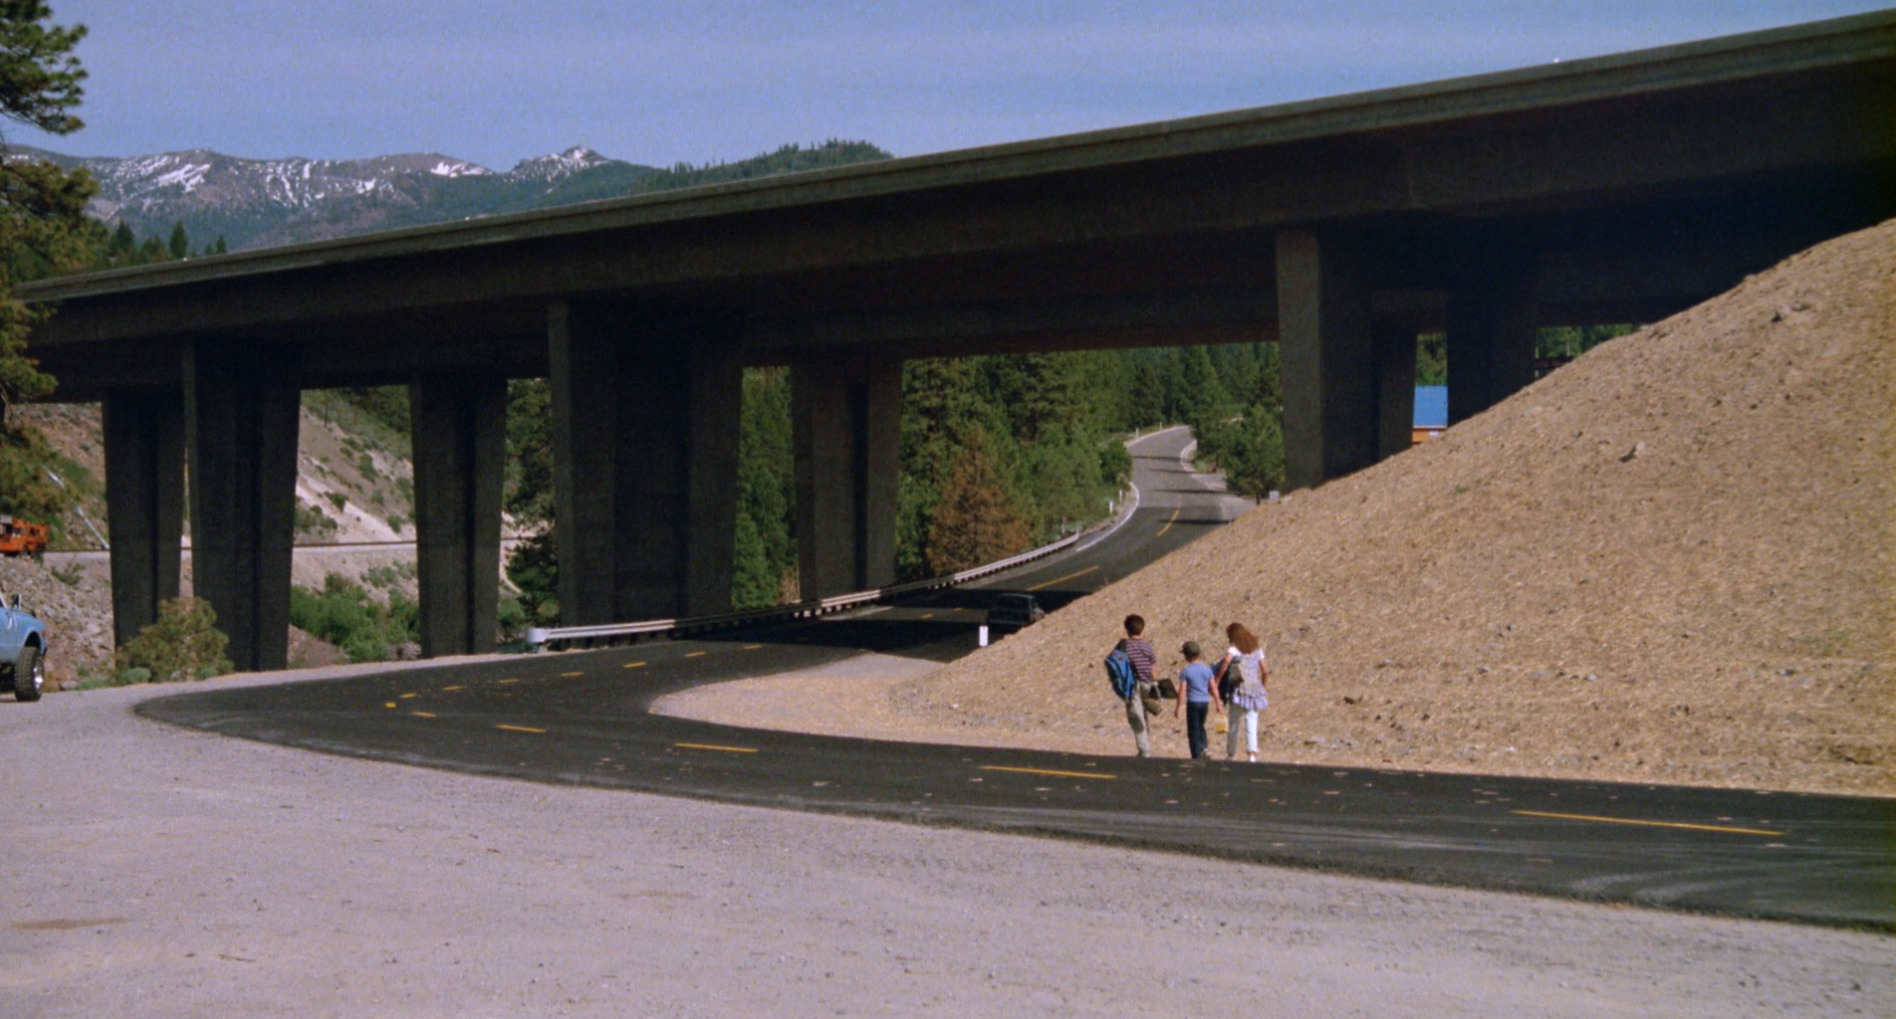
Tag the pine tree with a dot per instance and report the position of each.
(180, 245)
(766, 491)
(973, 523)
(42, 227)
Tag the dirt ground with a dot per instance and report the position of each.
(162, 872)
(1673, 560)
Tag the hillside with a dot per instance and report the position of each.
(1673, 560)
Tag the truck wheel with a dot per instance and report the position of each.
(29, 675)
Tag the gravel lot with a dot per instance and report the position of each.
(155, 872)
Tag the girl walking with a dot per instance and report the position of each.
(1244, 673)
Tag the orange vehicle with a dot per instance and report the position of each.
(21, 537)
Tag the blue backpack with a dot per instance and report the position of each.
(1119, 673)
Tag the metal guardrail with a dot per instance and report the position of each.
(562, 637)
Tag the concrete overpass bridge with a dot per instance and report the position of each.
(1614, 189)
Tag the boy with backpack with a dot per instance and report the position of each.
(1129, 666)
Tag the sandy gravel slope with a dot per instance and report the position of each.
(1673, 560)
(159, 872)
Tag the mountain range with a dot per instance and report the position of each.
(258, 203)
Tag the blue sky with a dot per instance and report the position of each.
(496, 82)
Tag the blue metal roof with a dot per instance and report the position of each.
(1431, 406)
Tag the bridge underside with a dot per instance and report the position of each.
(1617, 190)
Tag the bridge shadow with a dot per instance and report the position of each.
(936, 640)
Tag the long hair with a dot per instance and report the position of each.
(1242, 639)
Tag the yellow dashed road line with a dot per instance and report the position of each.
(410, 696)
(450, 689)
(504, 682)
(1045, 771)
(422, 714)
(752, 647)
(1056, 580)
(570, 675)
(518, 728)
(388, 704)
(1645, 824)
(714, 746)
(635, 665)
(693, 654)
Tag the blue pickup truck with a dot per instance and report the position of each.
(22, 651)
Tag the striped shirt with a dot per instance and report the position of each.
(1143, 658)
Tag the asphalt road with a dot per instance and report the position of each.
(583, 718)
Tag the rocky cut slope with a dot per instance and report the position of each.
(1673, 560)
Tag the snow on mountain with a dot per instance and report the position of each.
(549, 168)
(252, 203)
(173, 182)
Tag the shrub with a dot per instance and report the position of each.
(534, 568)
(344, 614)
(181, 645)
(312, 521)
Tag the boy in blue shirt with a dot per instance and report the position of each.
(1198, 697)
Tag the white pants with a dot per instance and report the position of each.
(1232, 714)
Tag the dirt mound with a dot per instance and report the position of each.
(1674, 559)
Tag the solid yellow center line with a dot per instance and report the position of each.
(422, 714)
(1045, 771)
(518, 728)
(635, 665)
(714, 746)
(1169, 523)
(1056, 580)
(1646, 824)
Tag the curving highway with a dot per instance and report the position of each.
(584, 718)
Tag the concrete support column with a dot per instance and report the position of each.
(459, 428)
(847, 425)
(1328, 359)
(1491, 324)
(646, 405)
(242, 401)
(144, 499)
(1395, 388)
